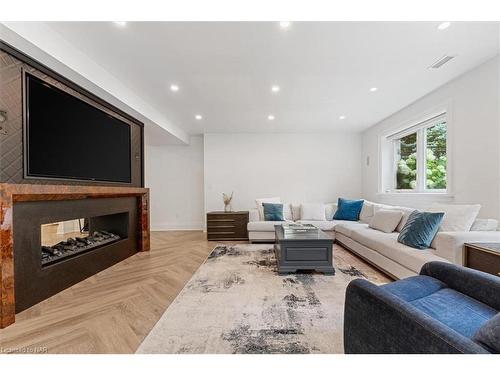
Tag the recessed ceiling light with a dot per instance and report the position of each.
(373, 89)
(174, 88)
(275, 88)
(342, 117)
(120, 23)
(270, 117)
(198, 117)
(285, 24)
(444, 25)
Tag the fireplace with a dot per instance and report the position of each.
(70, 238)
(112, 223)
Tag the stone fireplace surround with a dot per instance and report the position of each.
(69, 200)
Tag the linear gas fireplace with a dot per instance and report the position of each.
(54, 236)
(70, 238)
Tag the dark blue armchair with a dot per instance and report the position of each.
(438, 311)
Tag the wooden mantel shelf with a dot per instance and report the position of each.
(12, 193)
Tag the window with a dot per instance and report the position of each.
(420, 157)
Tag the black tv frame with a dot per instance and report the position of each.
(25, 111)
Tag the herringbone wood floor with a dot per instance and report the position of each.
(113, 311)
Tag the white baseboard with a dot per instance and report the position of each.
(168, 226)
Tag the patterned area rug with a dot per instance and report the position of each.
(237, 303)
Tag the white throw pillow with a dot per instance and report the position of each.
(287, 212)
(366, 212)
(312, 211)
(330, 209)
(386, 220)
(406, 214)
(295, 211)
(457, 217)
(259, 202)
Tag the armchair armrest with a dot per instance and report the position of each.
(476, 284)
(253, 215)
(449, 245)
(376, 321)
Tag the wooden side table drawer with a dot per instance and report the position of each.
(223, 226)
(481, 258)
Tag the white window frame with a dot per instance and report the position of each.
(419, 128)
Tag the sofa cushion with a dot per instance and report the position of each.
(330, 209)
(457, 217)
(414, 287)
(273, 211)
(326, 225)
(259, 201)
(386, 220)
(346, 227)
(295, 211)
(312, 211)
(457, 311)
(263, 226)
(484, 225)
(489, 334)
(420, 229)
(367, 212)
(406, 214)
(387, 245)
(348, 209)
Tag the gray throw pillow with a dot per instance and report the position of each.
(489, 334)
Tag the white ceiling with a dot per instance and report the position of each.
(325, 69)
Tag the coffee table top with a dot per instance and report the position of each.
(493, 247)
(300, 236)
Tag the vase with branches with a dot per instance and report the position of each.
(227, 201)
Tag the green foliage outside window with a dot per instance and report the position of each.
(407, 165)
(435, 159)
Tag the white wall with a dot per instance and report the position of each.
(295, 167)
(174, 174)
(475, 141)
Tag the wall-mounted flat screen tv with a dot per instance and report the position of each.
(67, 138)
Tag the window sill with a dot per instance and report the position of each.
(423, 195)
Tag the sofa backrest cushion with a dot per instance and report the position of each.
(420, 229)
(312, 211)
(484, 225)
(457, 217)
(386, 220)
(348, 209)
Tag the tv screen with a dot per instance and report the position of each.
(68, 138)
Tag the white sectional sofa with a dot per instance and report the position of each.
(379, 248)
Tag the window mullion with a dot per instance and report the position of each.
(421, 167)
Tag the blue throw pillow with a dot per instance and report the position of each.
(273, 211)
(420, 229)
(348, 209)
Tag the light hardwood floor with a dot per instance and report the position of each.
(113, 311)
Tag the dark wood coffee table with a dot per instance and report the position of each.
(303, 251)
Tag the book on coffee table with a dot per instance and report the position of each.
(297, 228)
